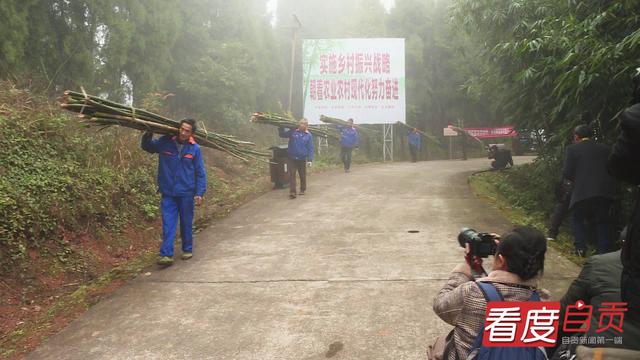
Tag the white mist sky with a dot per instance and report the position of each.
(388, 4)
(272, 5)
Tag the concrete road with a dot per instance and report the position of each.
(347, 271)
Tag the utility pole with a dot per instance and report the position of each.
(294, 42)
(463, 139)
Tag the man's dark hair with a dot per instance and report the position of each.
(524, 249)
(583, 131)
(191, 122)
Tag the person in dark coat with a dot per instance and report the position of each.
(561, 209)
(624, 165)
(597, 285)
(594, 190)
(502, 158)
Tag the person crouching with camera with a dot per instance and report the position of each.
(518, 264)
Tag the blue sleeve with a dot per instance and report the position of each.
(201, 173)
(284, 133)
(310, 148)
(148, 144)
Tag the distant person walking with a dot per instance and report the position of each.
(349, 139)
(415, 143)
(594, 190)
(182, 181)
(300, 154)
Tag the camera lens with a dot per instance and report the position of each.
(467, 235)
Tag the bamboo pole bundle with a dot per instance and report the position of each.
(424, 134)
(100, 112)
(287, 122)
(336, 121)
(467, 134)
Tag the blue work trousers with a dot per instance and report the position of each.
(174, 207)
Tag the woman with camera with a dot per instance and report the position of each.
(518, 263)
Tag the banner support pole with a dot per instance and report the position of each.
(387, 142)
(323, 142)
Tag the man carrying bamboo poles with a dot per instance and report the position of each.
(300, 153)
(349, 139)
(415, 144)
(182, 181)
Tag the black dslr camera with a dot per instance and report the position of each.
(481, 244)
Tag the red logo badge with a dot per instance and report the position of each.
(521, 323)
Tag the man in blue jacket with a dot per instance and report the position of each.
(415, 143)
(349, 139)
(182, 181)
(300, 152)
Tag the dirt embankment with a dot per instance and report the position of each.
(62, 281)
(79, 214)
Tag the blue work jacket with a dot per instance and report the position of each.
(349, 137)
(414, 139)
(300, 143)
(180, 173)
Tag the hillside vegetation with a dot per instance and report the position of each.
(79, 209)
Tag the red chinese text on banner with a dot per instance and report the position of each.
(495, 132)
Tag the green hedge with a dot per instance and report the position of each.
(56, 176)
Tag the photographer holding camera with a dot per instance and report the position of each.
(517, 264)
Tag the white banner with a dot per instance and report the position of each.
(362, 79)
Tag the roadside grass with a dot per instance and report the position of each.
(515, 200)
